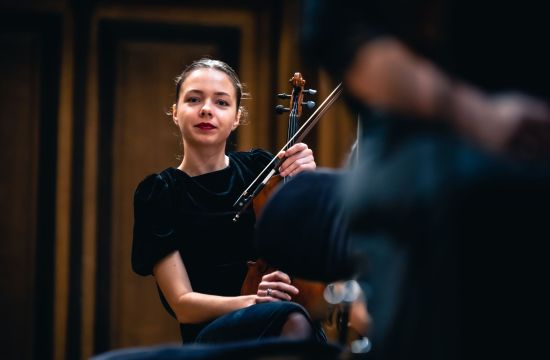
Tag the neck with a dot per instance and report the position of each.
(202, 162)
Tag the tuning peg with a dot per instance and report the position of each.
(279, 109)
(309, 104)
(310, 91)
(283, 96)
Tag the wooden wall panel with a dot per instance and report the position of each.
(336, 131)
(19, 121)
(28, 125)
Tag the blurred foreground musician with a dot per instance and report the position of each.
(448, 203)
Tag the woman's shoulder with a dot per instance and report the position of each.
(156, 187)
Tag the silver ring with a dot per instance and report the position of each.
(269, 291)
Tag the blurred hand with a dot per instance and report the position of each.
(528, 125)
(275, 286)
(515, 124)
(386, 74)
(298, 158)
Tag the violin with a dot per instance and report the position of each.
(259, 183)
(343, 317)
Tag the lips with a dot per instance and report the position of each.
(205, 126)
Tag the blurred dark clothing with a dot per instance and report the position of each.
(275, 348)
(451, 236)
(451, 239)
(317, 248)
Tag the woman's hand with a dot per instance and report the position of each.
(298, 158)
(275, 286)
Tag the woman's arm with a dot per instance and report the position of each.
(191, 307)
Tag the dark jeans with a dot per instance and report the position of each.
(255, 322)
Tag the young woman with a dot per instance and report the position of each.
(184, 233)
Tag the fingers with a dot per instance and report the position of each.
(275, 286)
(298, 158)
(270, 294)
(278, 289)
(276, 276)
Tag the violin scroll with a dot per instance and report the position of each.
(296, 97)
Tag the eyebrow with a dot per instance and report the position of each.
(201, 92)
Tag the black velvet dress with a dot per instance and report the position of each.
(194, 215)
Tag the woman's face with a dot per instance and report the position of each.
(206, 111)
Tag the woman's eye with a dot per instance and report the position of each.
(193, 99)
(223, 102)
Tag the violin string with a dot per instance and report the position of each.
(293, 118)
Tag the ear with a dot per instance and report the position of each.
(237, 120)
(174, 114)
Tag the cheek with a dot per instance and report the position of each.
(182, 117)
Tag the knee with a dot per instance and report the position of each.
(297, 326)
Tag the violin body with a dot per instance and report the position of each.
(261, 198)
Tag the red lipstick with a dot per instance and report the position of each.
(205, 126)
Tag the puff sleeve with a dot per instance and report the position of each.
(154, 230)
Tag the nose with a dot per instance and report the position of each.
(205, 110)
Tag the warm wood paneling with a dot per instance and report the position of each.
(19, 121)
(63, 193)
(28, 125)
(336, 131)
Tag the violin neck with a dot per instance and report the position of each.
(292, 128)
